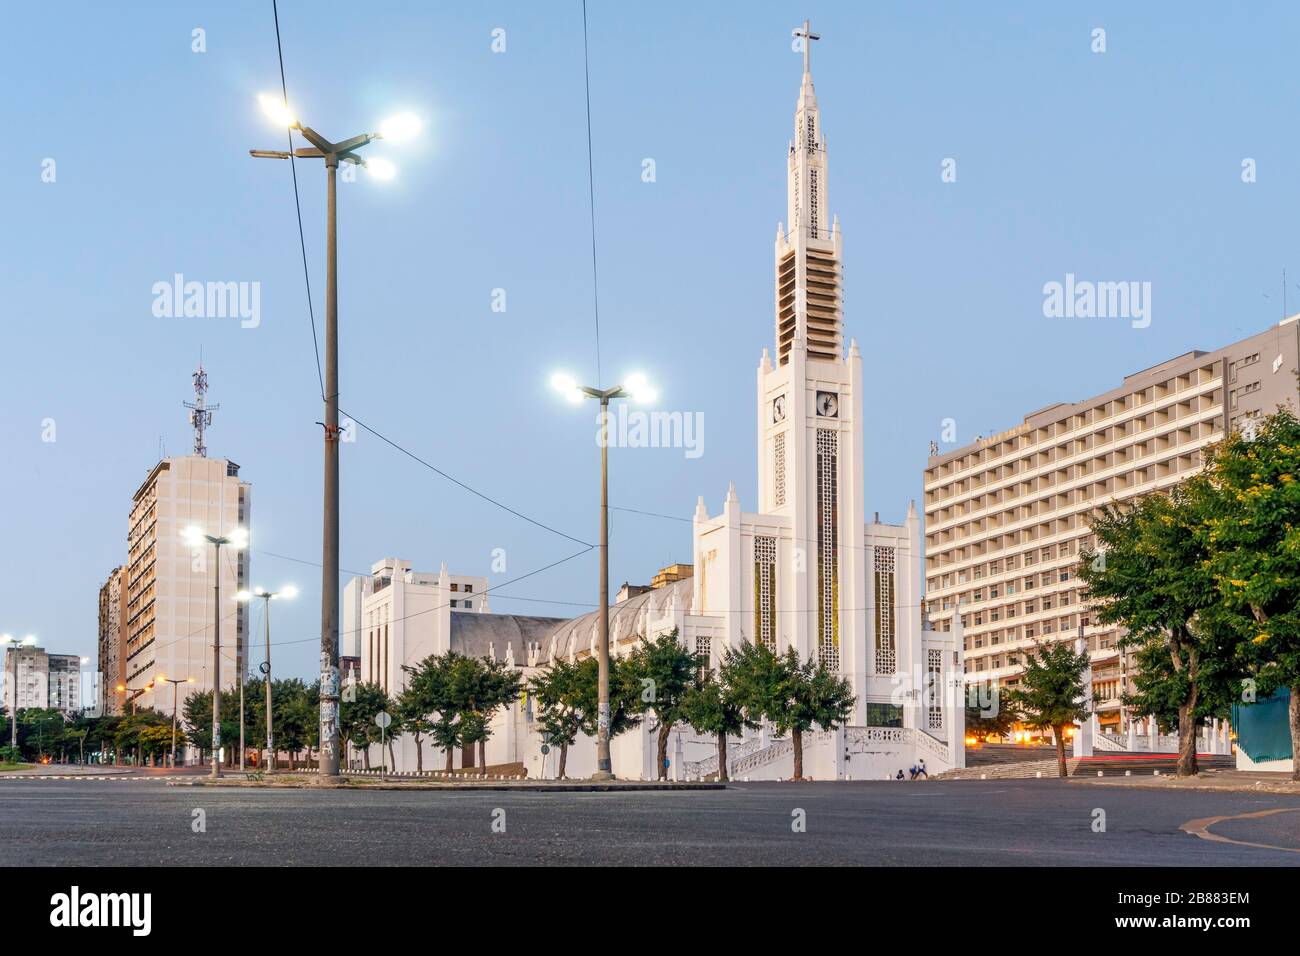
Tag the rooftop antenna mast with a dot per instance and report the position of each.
(200, 412)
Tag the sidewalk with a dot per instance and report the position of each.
(289, 781)
(1238, 781)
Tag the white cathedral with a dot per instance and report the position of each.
(806, 569)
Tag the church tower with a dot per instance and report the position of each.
(810, 420)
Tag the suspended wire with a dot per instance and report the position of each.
(456, 481)
(591, 190)
(302, 239)
(316, 345)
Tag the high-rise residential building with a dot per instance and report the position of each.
(42, 680)
(112, 660)
(1007, 515)
(169, 623)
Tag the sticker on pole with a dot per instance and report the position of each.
(382, 719)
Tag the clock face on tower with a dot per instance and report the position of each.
(778, 409)
(828, 404)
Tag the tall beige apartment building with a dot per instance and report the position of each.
(1007, 515)
(112, 659)
(169, 624)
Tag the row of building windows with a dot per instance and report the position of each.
(1100, 412)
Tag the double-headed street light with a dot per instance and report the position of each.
(636, 388)
(397, 128)
(174, 681)
(288, 591)
(237, 539)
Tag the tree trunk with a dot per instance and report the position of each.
(564, 756)
(482, 753)
(664, 730)
(722, 757)
(796, 738)
(392, 759)
(1293, 712)
(1059, 733)
(419, 756)
(365, 755)
(1187, 766)
(451, 753)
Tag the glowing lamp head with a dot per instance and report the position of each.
(567, 386)
(639, 390)
(288, 591)
(237, 539)
(274, 107)
(243, 597)
(403, 126)
(381, 168)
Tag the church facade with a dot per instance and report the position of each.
(805, 569)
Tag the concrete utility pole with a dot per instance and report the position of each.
(397, 127)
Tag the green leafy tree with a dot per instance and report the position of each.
(793, 695)
(558, 719)
(40, 730)
(1050, 693)
(709, 707)
(479, 688)
(985, 722)
(357, 717)
(1254, 542)
(432, 696)
(1151, 574)
(568, 696)
(414, 719)
(665, 671)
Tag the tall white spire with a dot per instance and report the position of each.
(808, 256)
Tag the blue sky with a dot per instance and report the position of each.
(1124, 165)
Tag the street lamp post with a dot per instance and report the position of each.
(174, 681)
(13, 696)
(636, 388)
(288, 591)
(398, 127)
(27, 641)
(237, 539)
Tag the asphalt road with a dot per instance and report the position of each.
(959, 823)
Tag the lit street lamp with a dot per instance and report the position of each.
(174, 681)
(237, 539)
(288, 591)
(397, 128)
(636, 388)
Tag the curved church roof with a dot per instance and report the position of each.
(491, 635)
(627, 621)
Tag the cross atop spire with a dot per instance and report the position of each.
(808, 36)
